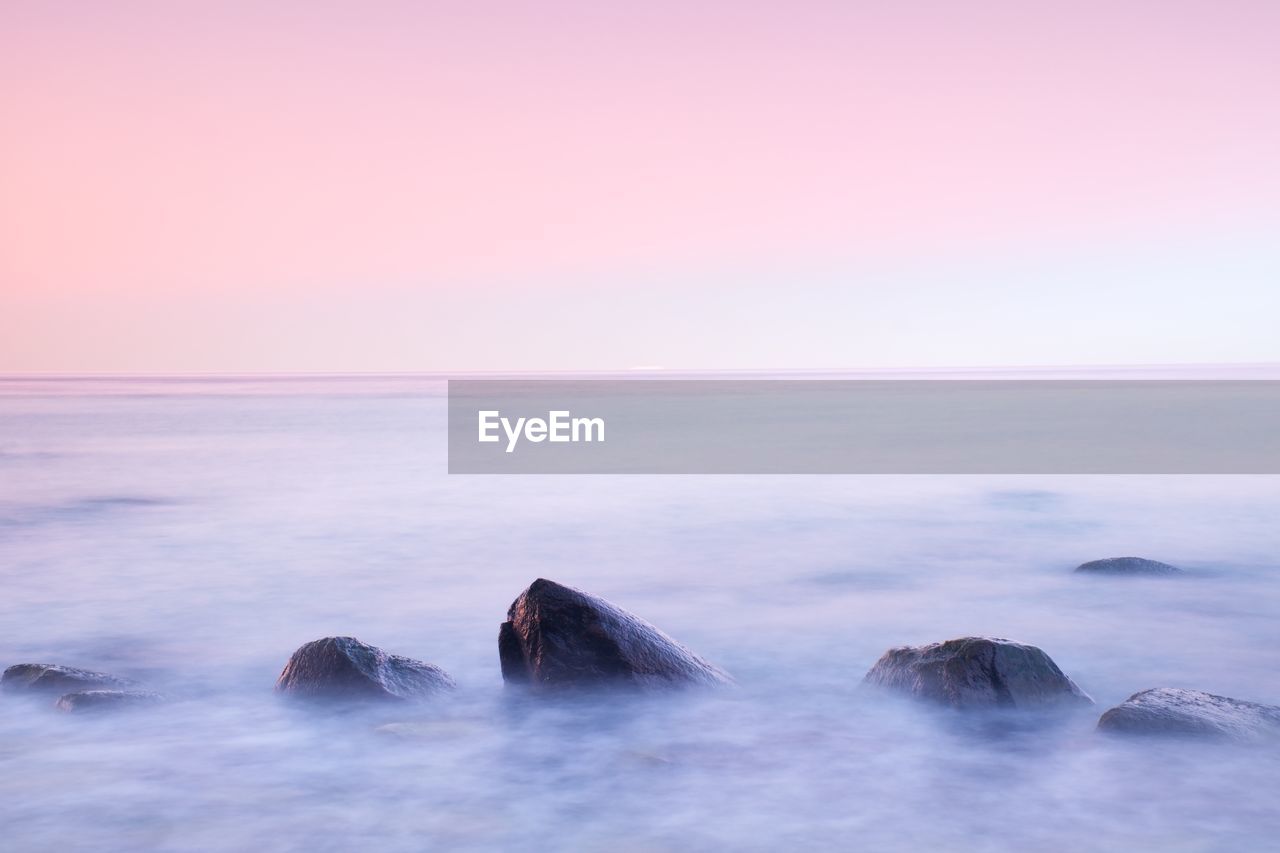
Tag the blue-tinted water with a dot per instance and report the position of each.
(193, 533)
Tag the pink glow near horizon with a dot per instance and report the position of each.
(243, 153)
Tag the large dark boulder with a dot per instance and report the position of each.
(557, 637)
(343, 668)
(52, 678)
(95, 701)
(1127, 566)
(977, 672)
(1174, 711)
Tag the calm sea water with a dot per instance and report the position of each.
(192, 533)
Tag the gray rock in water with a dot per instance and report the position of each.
(557, 638)
(343, 668)
(86, 701)
(977, 672)
(51, 678)
(1174, 711)
(1128, 566)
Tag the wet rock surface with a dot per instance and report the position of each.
(1127, 566)
(345, 669)
(52, 678)
(558, 638)
(96, 701)
(1193, 713)
(977, 672)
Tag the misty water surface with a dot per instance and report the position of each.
(192, 534)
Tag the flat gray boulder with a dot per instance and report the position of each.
(977, 672)
(52, 678)
(343, 668)
(1174, 711)
(96, 701)
(558, 638)
(1127, 566)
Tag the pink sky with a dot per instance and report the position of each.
(351, 186)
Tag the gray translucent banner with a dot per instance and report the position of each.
(762, 426)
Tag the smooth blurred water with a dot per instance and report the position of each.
(192, 533)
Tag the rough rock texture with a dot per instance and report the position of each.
(1173, 711)
(977, 672)
(86, 701)
(557, 637)
(344, 668)
(1128, 566)
(51, 678)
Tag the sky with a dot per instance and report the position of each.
(387, 186)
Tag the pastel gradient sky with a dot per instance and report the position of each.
(319, 186)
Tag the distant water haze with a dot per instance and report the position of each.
(191, 533)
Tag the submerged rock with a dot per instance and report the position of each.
(557, 637)
(977, 672)
(344, 668)
(85, 701)
(1128, 566)
(52, 678)
(1174, 711)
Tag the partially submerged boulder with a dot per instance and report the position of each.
(977, 672)
(1128, 566)
(343, 668)
(52, 678)
(1174, 711)
(86, 701)
(557, 638)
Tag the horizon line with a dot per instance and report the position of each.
(444, 373)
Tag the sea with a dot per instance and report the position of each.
(191, 532)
